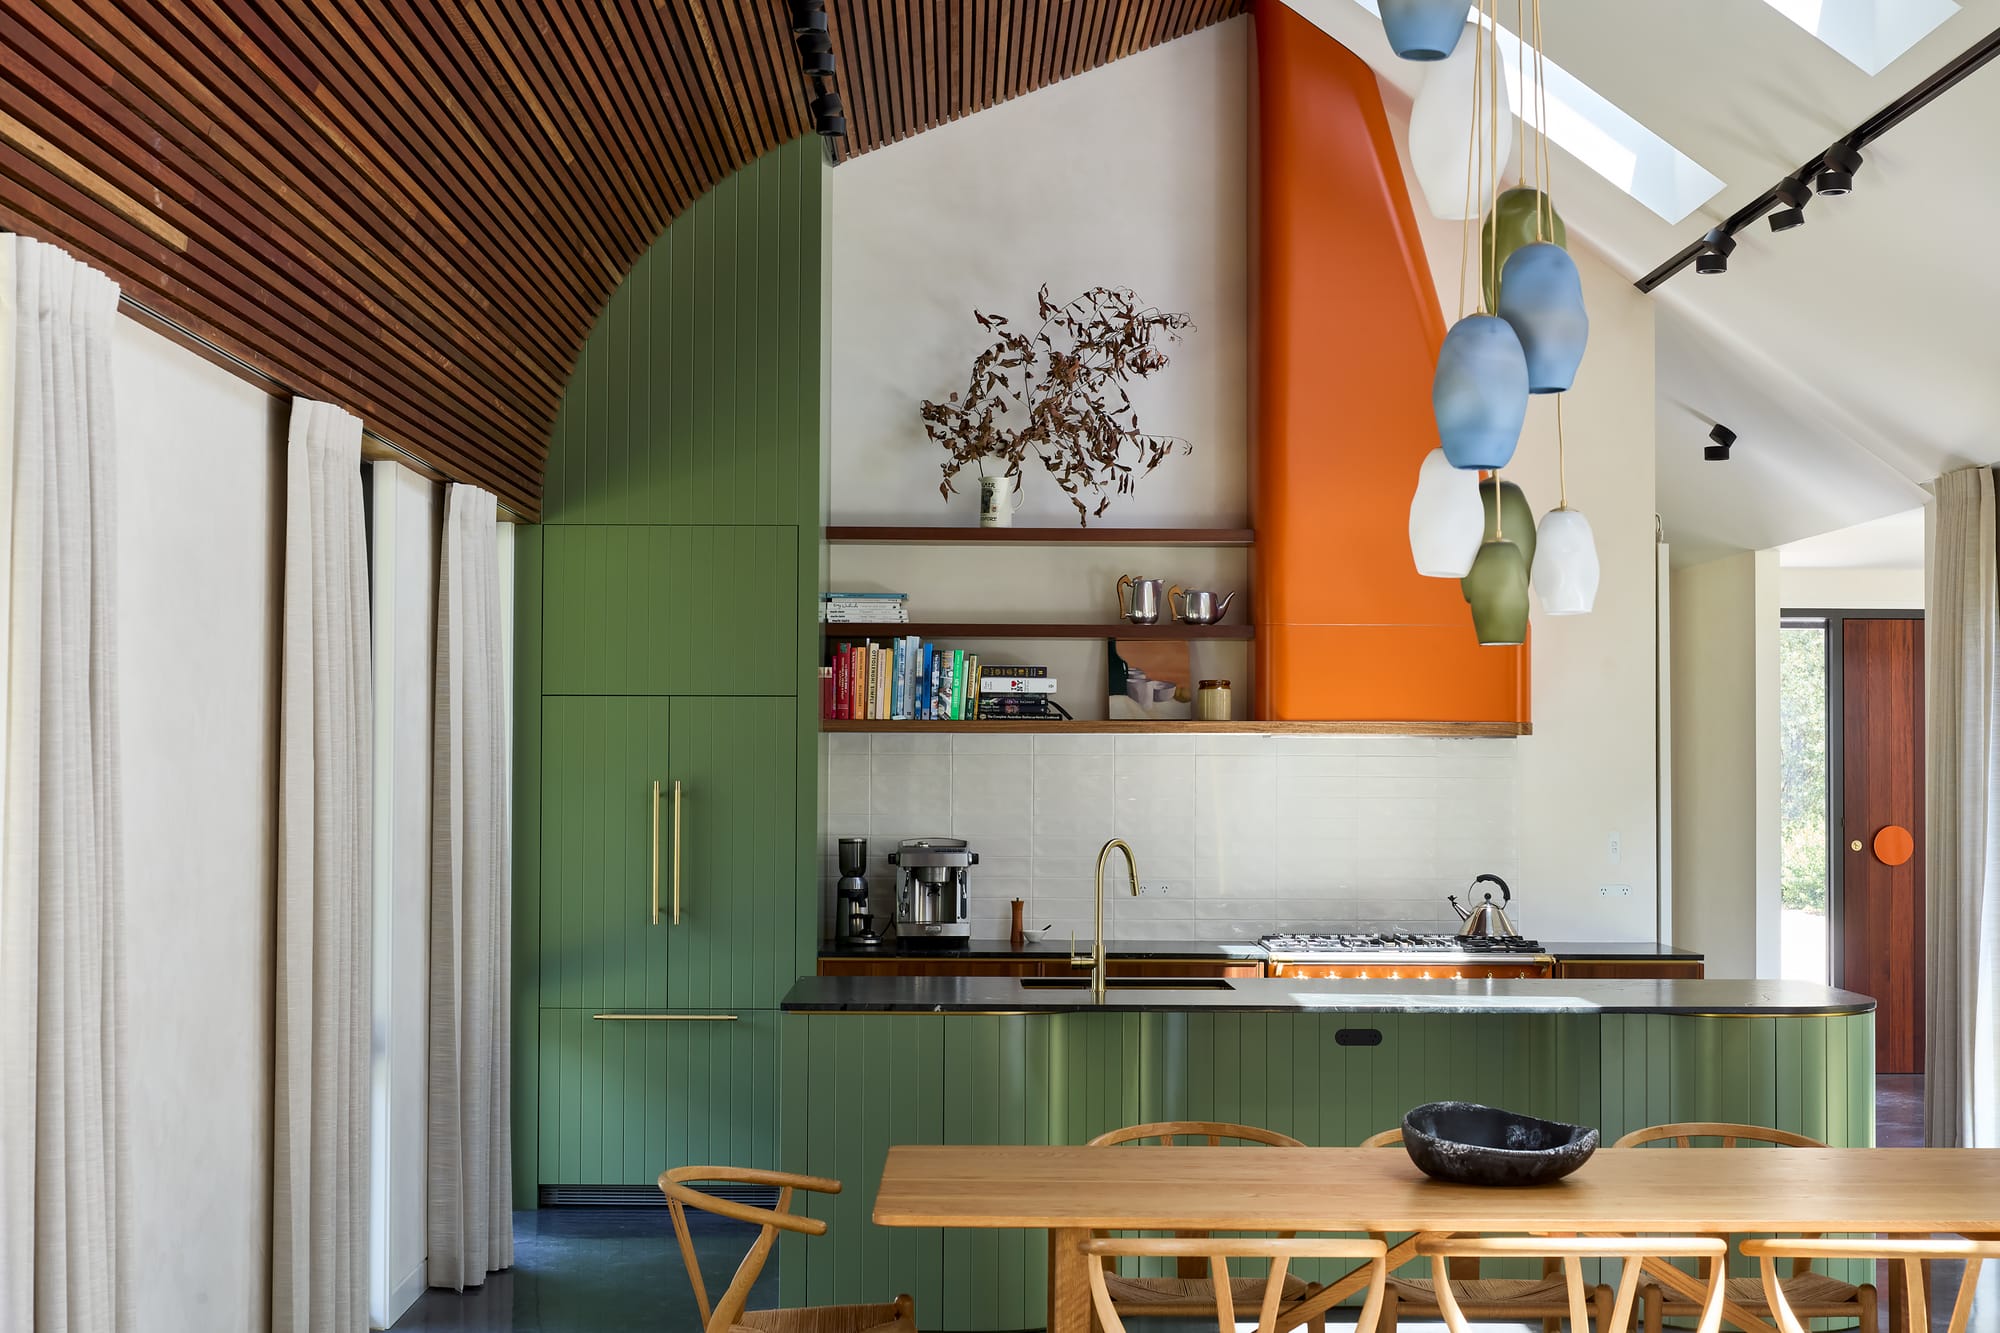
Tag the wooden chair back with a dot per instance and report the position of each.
(1683, 1134)
(1388, 1138)
(1912, 1254)
(1212, 1133)
(1217, 1251)
(1571, 1251)
(682, 1196)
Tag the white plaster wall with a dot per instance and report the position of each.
(994, 204)
(1851, 589)
(1725, 763)
(200, 499)
(1135, 175)
(406, 514)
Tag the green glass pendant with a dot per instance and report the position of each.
(1497, 589)
(1514, 520)
(1515, 213)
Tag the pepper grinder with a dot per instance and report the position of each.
(1017, 937)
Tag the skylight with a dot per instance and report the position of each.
(1869, 33)
(1602, 137)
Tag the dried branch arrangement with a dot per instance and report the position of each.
(1059, 396)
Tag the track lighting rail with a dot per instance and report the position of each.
(1781, 196)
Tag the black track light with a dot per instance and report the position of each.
(1836, 171)
(1715, 258)
(829, 119)
(1719, 451)
(1792, 198)
(808, 16)
(815, 54)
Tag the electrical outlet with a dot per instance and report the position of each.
(1156, 889)
(1614, 890)
(1611, 847)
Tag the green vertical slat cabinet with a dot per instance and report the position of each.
(667, 631)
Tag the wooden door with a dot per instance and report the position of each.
(1882, 777)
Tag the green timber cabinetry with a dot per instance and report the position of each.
(856, 1083)
(667, 631)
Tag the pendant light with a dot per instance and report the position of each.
(1480, 393)
(1447, 520)
(1440, 150)
(1511, 225)
(1565, 566)
(1496, 588)
(1541, 293)
(1423, 29)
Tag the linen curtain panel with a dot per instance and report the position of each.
(319, 1168)
(470, 1186)
(65, 1249)
(1962, 818)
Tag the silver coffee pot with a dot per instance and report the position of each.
(1142, 607)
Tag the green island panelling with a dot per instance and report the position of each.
(855, 1084)
(667, 629)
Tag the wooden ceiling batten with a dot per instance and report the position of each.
(419, 211)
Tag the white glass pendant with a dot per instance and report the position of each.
(1447, 519)
(1565, 563)
(1442, 135)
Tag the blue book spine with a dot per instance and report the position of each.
(899, 697)
(938, 659)
(924, 683)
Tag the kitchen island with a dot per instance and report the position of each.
(870, 1062)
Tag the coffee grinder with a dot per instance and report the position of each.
(852, 923)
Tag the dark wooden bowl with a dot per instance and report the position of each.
(1469, 1144)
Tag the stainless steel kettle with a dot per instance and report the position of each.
(1488, 918)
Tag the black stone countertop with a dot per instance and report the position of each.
(1220, 950)
(944, 995)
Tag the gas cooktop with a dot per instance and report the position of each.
(1395, 947)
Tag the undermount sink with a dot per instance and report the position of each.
(1129, 983)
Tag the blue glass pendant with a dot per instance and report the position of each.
(1423, 29)
(1541, 295)
(1480, 395)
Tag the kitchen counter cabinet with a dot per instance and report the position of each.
(856, 1082)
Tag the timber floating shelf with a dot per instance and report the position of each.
(965, 629)
(1093, 727)
(892, 536)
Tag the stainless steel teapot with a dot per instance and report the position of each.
(1192, 606)
(1488, 918)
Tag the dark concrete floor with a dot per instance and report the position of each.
(617, 1270)
(595, 1270)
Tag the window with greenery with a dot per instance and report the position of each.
(1803, 796)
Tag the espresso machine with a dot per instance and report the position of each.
(931, 892)
(852, 922)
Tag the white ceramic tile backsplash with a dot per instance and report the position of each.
(1251, 834)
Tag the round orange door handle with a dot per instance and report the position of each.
(1894, 845)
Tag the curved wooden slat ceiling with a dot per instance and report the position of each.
(417, 208)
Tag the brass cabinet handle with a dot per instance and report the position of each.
(677, 851)
(656, 851)
(665, 1018)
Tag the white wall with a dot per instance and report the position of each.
(406, 515)
(200, 494)
(979, 212)
(1726, 764)
(1808, 589)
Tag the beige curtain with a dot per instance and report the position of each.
(470, 1187)
(65, 1252)
(1962, 837)
(319, 1168)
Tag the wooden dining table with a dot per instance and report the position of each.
(1073, 1192)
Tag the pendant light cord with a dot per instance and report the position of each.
(1471, 158)
(1562, 460)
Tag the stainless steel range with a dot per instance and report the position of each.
(1406, 956)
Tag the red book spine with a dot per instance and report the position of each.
(857, 688)
(840, 681)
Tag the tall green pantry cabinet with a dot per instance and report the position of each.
(667, 703)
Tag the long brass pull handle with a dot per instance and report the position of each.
(665, 1018)
(677, 851)
(656, 851)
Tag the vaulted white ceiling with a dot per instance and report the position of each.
(1853, 356)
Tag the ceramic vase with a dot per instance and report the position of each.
(1440, 146)
(1446, 519)
(1480, 393)
(1423, 29)
(1497, 590)
(1541, 296)
(1565, 564)
(1514, 217)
